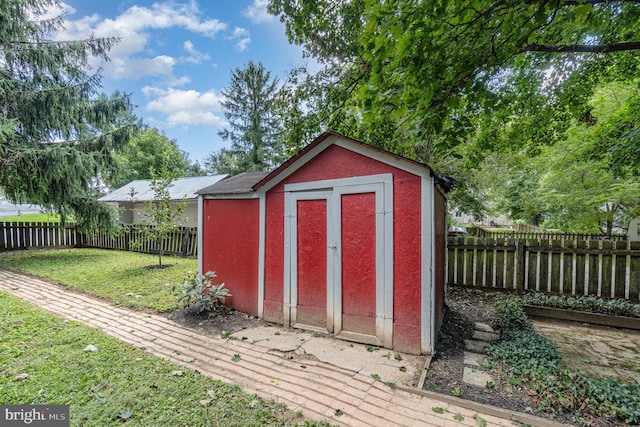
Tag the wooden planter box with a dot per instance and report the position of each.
(583, 317)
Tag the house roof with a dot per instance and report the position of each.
(250, 182)
(182, 188)
(239, 184)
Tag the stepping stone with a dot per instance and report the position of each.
(476, 346)
(476, 377)
(485, 336)
(472, 359)
(483, 327)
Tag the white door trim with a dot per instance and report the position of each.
(332, 191)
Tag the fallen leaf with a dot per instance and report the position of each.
(205, 402)
(177, 373)
(22, 376)
(125, 413)
(92, 348)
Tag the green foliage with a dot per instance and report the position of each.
(581, 184)
(116, 382)
(201, 293)
(57, 136)
(451, 83)
(510, 318)
(162, 215)
(151, 151)
(253, 125)
(534, 358)
(117, 276)
(590, 303)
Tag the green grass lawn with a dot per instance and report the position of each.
(117, 385)
(40, 217)
(121, 277)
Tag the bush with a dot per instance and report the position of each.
(201, 293)
(511, 318)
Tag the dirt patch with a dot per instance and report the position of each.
(464, 308)
(223, 320)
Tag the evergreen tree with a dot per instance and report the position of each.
(53, 143)
(253, 124)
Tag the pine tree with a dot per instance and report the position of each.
(57, 136)
(254, 126)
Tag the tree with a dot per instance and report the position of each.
(148, 151)
(253, 124)
(52, 144)
(436, 80)
(578, 185)
(161, 217)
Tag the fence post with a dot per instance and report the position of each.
(186, 236)
(519, 261)
(4, 235)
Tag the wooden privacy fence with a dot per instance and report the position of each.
(576, 267)
(27, 235)
(183, 242)
(23, 235)
(542, 235)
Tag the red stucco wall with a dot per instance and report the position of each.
(337, 162)
(230, 248)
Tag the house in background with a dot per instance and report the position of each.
(133, 208)
(343, 238)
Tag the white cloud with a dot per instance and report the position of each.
(133, 26)
(196, 56)
(243, 43)
(135, 68)
(243, 35)
(239, 32)
(186, 107)
(257, 12)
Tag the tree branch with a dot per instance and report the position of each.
(581, 48)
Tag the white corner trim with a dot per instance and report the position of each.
(261, 252)
(200, 235)
(427, 228)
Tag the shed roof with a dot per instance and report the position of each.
(182, 188)
(239, 184)
(251, 182)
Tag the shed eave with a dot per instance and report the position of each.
(331, 138)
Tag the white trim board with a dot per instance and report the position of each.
(332, 191)
(364, 150)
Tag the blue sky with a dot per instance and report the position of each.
(175, 57)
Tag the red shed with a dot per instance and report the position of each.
(343, 238)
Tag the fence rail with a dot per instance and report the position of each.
(543, 235)
(609, 269)
(183, 242)
(28, 235)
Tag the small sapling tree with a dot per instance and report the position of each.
(161, 217)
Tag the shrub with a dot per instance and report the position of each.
(511, 318)
(201, 293)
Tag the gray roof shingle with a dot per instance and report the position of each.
(182, 188)
(239, 184)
